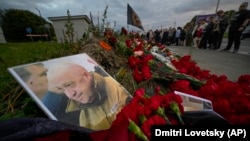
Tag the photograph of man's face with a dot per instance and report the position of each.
(35, 78)
(74, 89)
(72, 80)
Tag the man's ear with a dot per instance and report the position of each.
(87, 75)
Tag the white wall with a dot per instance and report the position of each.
(80, 26)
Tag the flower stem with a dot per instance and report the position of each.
(137, 131)
(175, 108)
(161, 112)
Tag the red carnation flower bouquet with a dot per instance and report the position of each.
(154, 101)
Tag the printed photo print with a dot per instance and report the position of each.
(73, 89)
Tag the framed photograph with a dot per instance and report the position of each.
(73, 89)
(194, 103)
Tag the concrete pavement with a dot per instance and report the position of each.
(218, 62)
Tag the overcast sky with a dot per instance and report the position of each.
(153, 13)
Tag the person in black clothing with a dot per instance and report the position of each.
(164, 37)
(206, 34)
(216, 34)
(237, 25)
(182, 36)
(157, 36)
(223, 24)
(209, 31)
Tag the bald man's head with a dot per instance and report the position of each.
(64, 69)
(71, 79)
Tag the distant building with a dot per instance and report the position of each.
(81, 24)
(2, 38)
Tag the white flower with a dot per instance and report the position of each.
(138, 53)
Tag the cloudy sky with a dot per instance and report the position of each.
(153, 13)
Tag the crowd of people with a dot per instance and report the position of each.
(171, 36)
(207, 32)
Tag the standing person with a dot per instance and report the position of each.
(223, 24)
(150, 35)
(189, 38)
(170, 36)
(173, 36)
(209, 31)
(177, 36)
(164, 37)
(237, 25)
(157, 36)
(215, 34)
(206, 33)
(196, 34)
(182, 36)
(97, 98)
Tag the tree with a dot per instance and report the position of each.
(69, 33)
(15, 22)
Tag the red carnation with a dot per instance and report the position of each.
(154, 120)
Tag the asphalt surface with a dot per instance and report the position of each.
(220, 62)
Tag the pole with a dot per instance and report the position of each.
(98, 24)
(31, 37)
(218, 2)
(39, 12)
(42, 21)
(127, 15)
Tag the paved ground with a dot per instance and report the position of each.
(219, 62)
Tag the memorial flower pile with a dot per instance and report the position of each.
(144, 111)
(230, 99)
(159, 105)
(135, 120)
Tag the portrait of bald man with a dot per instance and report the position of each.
(98, 98)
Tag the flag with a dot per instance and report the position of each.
(133, 18)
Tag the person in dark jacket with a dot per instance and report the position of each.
(237, 25)
(223, 24)
(206, 34)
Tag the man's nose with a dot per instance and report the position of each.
(71, 93)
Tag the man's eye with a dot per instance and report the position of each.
(69, 85)
(43, 74)
(59, 90)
